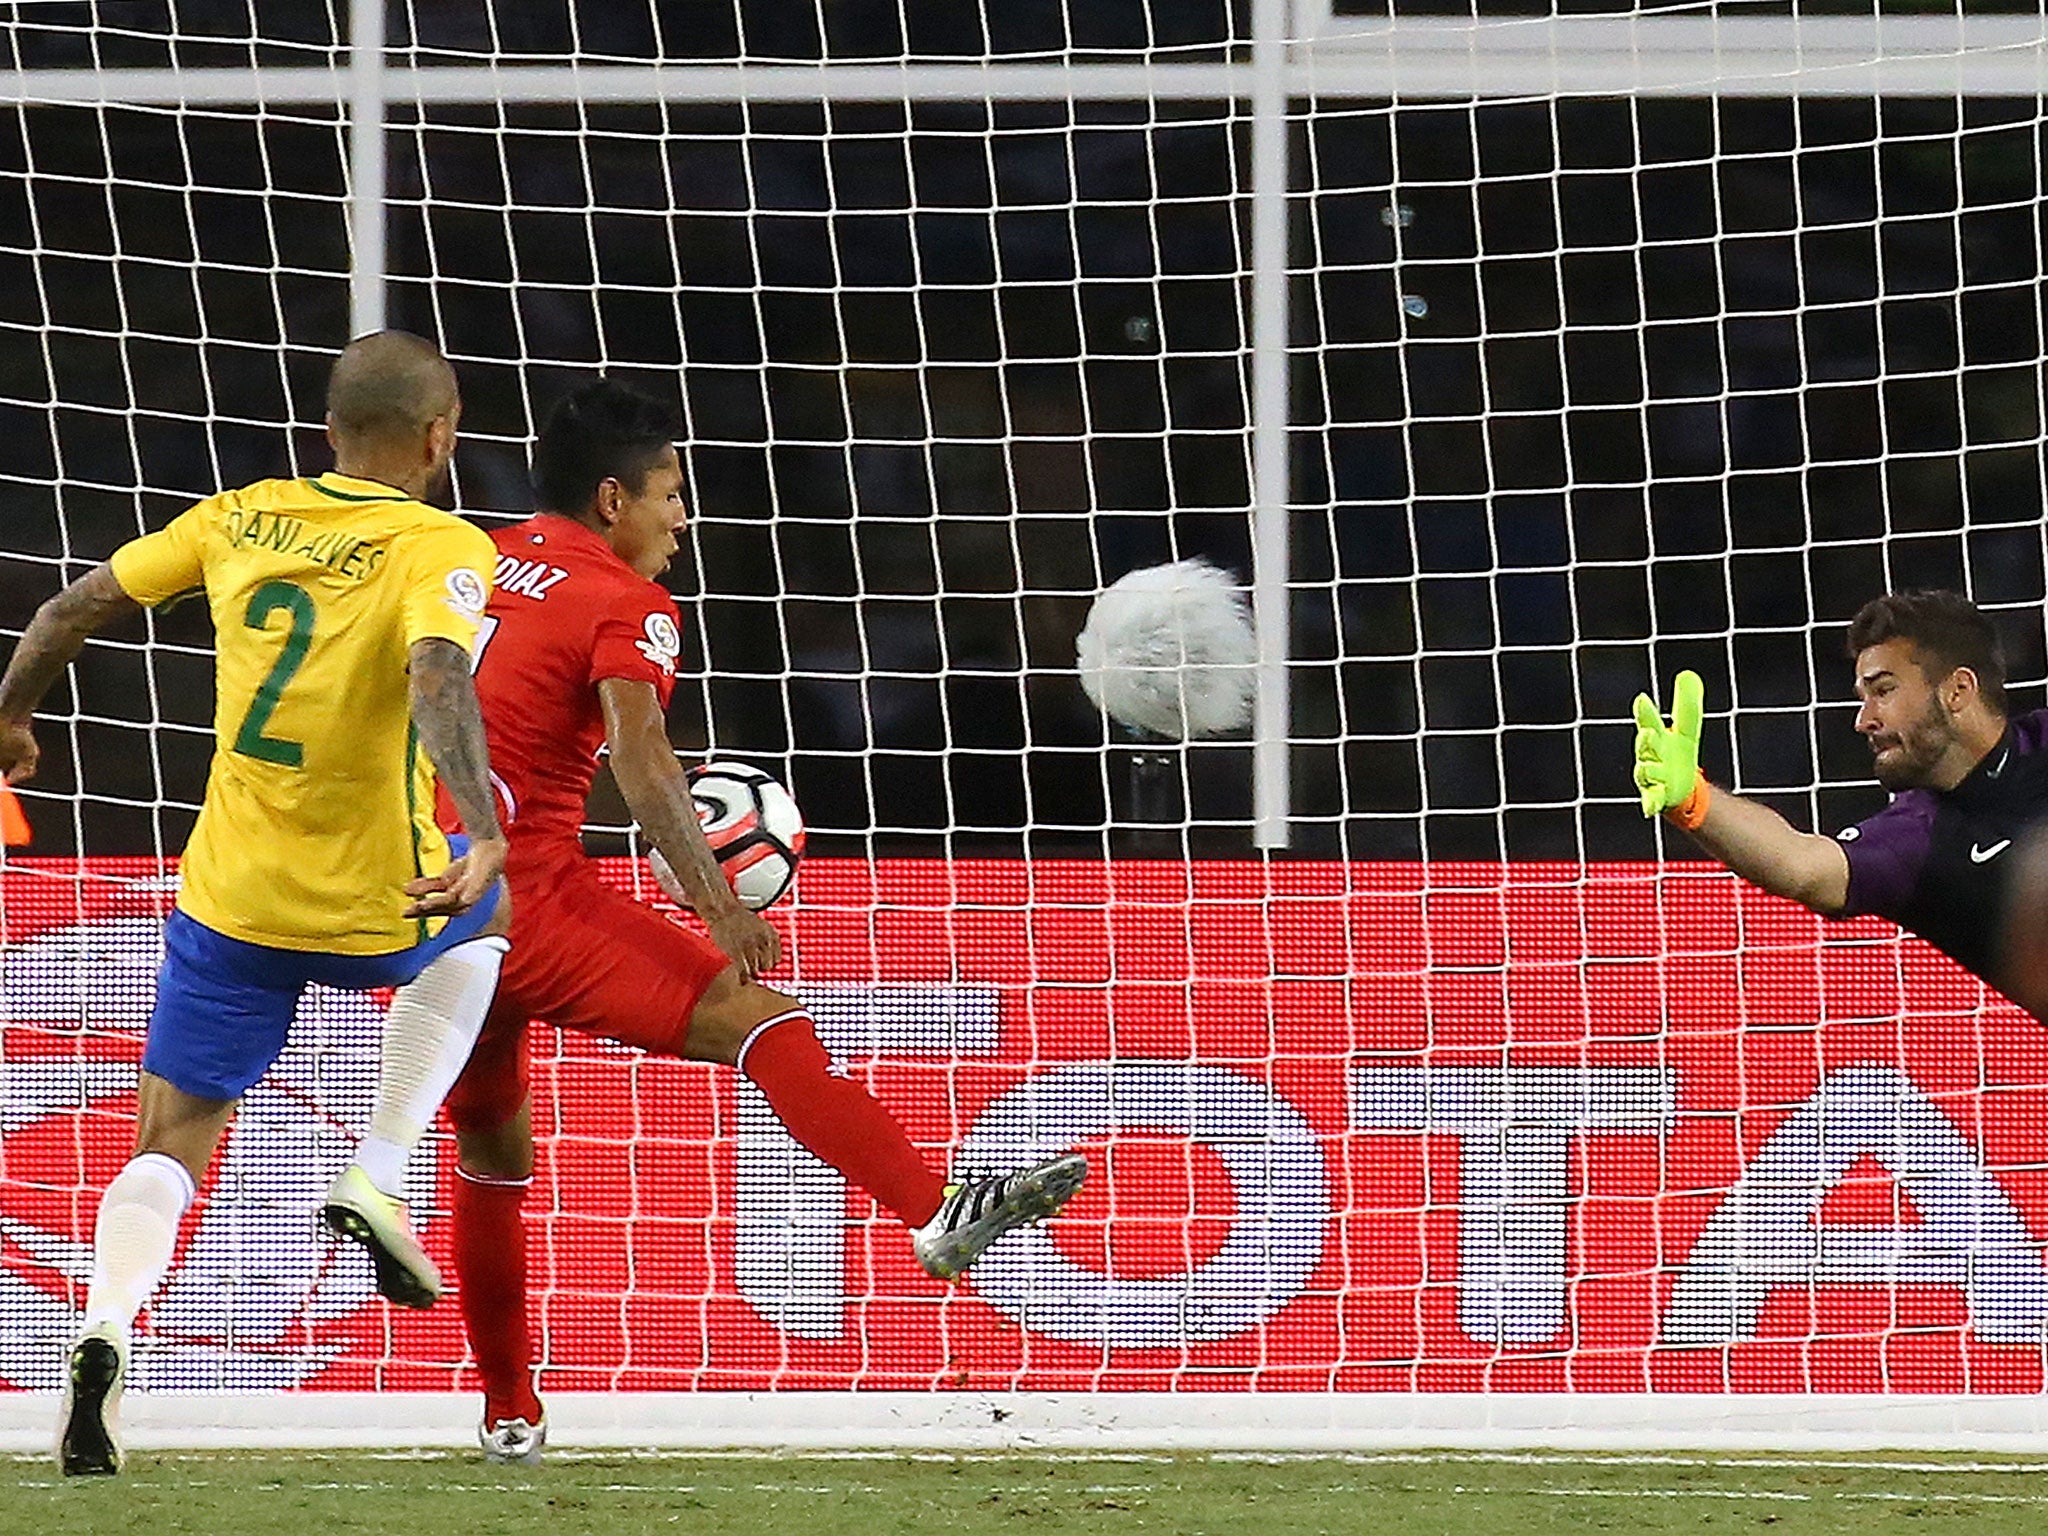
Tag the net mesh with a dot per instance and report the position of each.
(1461, 1094)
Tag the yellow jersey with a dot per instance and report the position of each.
(319, 802)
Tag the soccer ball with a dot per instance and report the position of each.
(1170, 651)
(751, 823)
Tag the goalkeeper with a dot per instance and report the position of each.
(1948, 858)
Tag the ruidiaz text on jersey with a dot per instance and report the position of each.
(528, 578)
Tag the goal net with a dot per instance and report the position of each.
(1511, 362)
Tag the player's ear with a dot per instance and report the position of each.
(440, 438)
(610, 497)
(1960, 688)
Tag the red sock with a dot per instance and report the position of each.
(490, 1272)
(836, 1120)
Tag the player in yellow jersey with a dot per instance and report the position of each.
(344, 610)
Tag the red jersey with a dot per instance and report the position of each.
(565, 613)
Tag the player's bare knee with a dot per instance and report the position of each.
(728, 1012)
(179, 1124)
(498, 1152)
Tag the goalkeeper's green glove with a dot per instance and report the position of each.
(1668, 756)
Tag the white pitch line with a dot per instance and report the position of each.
(539, 1485)
(1122, 1488)
(808, 1490)
(939, 1458)
(1765, 1494)
(1735, 1460)
(566, 1454)
(1659, 1493)
(1951, 1498)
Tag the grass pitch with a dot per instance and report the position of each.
(1382, 1494)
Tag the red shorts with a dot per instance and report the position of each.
(590, 958)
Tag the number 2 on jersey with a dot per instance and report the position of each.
(263, 602)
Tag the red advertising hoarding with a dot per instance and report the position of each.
(1353, 1128)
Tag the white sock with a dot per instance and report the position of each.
(432, 1028)
(132, 1237)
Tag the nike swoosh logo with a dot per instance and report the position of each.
(1979, 855)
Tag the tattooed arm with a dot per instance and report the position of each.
(450, 723)
(53, 638)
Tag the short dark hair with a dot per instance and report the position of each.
(1946, 628)
(599, 431)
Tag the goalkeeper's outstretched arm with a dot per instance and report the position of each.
(1751, 839)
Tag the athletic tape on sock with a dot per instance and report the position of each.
(739, 1060)
(493, 1180)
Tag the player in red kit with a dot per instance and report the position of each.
(578, 651)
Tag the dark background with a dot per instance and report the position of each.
(1583, 392)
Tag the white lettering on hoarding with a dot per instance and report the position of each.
(789, 1252)
(1276, 1173)
(1764, 1235)
(1515, 1128)
(256, 1273)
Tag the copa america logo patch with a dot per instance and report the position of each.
(467, 593)
(664, 643)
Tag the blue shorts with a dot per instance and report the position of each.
(224, 1006)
